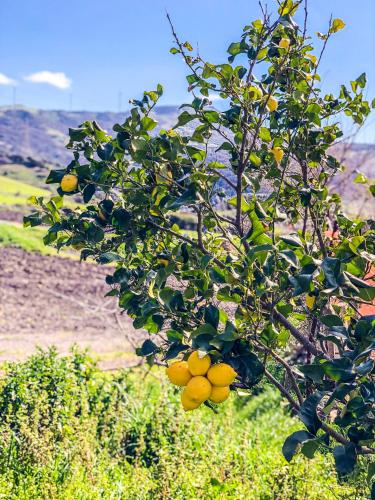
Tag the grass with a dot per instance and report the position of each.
(29, 239)
(32, 176)
(14, 192)
(70, 431)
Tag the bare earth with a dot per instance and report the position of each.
(48, 301)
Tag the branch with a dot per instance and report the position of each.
(309, 346)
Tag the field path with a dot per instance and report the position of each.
(48, 300)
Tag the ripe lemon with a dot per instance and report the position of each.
(221, 375)
(219, 394)
(284, 43)
(272, 104)
(178, 373)
(310, 301)
(197, 365)
(69, 183)
(187, 403)
(198, 389)
(278, 153)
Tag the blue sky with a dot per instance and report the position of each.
(103, 47)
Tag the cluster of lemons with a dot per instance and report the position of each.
(202, 380)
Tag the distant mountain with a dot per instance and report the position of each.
(42, 134)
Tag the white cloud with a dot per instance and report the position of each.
(59, 80)
(5, 80)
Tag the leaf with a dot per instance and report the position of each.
(331, 268)
(300, 283)
(331, 320)
(337, 25)
(294, 442)
(187, 198)
(265, 134)
(360, 179)
(292, 240)
(148, 348)
(211, 315)
(307, 413)
(345, 458)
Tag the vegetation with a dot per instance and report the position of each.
(31, 240)
(281, 282)
(69, 430)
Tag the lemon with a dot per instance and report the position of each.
(278, 153)
(221, 375)
(284, 43)
(187, 403)
(272, 104)
(69, 183)
(219, 394)
(197, 365)
(198, 389)
(310, 301)
(178, 373)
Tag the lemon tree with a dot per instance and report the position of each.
(264, 284)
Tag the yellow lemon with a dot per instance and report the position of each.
(178, 373)
(187, 403)
(198, 389)
(221, 375)
(284, 43)
(197, 365)
(69, 183)
(310, 301)
(272, 104)
(278, 153)
(219, 394)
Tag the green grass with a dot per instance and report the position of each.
(70, 431)
(32, 176)
(29, 239)
(14, 192)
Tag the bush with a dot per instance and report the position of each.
(71, 431)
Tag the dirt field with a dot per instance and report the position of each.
(55, 301)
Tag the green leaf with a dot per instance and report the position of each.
(345, 458)
(307, 413)
(294, 442)
(211, 315)
(331, 320)
(300, 283)
(361, 179)
(331, 268)
(292, 240)
(265, 134)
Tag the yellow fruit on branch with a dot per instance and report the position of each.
(272, 104)
(278, 153)
(198, 389)
(310, 301)
(219, 394)
(284, 43)
(221, 375)
(69, 183)
(178, 373)
(187, 403)
(197, 365)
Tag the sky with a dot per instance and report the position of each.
(97, 54)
